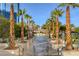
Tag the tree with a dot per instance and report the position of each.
(62, 28)
(68, 31)
(28, 18)
(32, 24)
(4, 28)
(57, 13)
(12, 34)
(21, 13)
(53, 24)
(77, 29)
(48, 26)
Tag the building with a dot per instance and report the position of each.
(6, 14)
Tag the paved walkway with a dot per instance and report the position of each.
(4, 52)
(39, 47)
(28, 49)
(35, 47)
(71, 53)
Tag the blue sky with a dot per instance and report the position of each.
(40, 12)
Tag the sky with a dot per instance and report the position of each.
(40, 12)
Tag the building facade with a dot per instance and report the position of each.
(5, 11)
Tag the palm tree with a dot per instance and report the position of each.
(28, 23)
(53, 24)
(12, 34)
(48, 26)
(32, 24)
(21, 13)
(68, 31)
(57, 13)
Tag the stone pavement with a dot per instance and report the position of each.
(24, 49)
(28, 48)
(71, 53)
(4, 52)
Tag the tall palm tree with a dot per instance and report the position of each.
(48, 26)
(68, 30)
(57, 13)
(12, 34)
(32, 24)
(53, 24)
(21, 13)
(28, 18)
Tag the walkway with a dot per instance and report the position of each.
(4, 52)
(39, 46)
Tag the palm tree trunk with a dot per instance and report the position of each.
(3, 37)
(32, 31)
(68, 35)
(29, 35)
(49, 31)
(27, 30)
(53, 29)
(57, 29)
(12, 34)
(22, 31)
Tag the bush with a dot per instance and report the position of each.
(5, 29)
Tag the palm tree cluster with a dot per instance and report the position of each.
(12, 32)
(52, 24)
(55, 14)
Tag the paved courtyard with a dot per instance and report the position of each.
(38, 46)
(71, 53)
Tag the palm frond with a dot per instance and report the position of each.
(58, 12)
(27, 16)
(32, 22)
(23, 11)
(19, 13)
(69, 4)
(62, 5)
